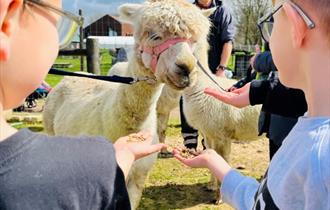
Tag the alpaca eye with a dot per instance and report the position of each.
(155, 37)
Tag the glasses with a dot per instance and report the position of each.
(68, 24)
(265, 24)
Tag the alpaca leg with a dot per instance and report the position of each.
(162, 120)
(222, 147)
(135, 188)
(224, 150)
(137, 177)
(168, 100)
(213, 184)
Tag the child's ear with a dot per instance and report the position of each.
(298, 25)
(8, 23)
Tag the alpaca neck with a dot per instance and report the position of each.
(201, 55)
(136, 102)
(202, 80)
(198, 86)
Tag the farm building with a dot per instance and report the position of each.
(108, 26)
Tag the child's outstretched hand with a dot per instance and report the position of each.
(133, 147)
(197, 161)
(139, 144)
(206, 159)
(238, 97)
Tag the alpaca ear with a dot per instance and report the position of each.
(128, 12)
(208, 12)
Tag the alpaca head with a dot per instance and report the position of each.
(166, 34)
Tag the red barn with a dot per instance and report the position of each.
(108, 26)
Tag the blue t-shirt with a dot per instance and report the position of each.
(298, 176)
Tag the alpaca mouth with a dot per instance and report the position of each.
(178, 84)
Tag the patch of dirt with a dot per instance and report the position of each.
(171, 185)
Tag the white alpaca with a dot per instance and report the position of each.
(83, 106)
(168, 100)
(218, 122)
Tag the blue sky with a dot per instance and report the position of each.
(94, 9)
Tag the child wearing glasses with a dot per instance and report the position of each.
(298, 176)
(42, 172)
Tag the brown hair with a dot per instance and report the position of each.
(319, 11)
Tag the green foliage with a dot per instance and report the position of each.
(247, 14)
(105, 65)
(35, 127)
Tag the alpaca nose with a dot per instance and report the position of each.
(183, 70)
(183, 73)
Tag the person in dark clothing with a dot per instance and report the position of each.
(250, 75)
(121, 56)
(221, 35)
(281, 106)
(220, 41)
(39, 171)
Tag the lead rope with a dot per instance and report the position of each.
(209, 76)
(115, 78)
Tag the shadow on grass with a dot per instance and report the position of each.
(36, 128)
(172, 196)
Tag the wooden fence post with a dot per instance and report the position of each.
(81, 43)
(93, 56)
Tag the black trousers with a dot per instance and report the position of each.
(189, 134)
(272, 149)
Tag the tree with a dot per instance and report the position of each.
(247, 14)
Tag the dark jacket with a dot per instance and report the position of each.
(275, 97)
(250, 75)
(222, 31)
(281, 106)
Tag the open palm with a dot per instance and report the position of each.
(139, 148)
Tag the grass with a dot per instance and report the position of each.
(173, 128)
(171, 185)
(35, 127)
(174, 186)
(105, 64)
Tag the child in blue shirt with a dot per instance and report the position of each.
(298, 176)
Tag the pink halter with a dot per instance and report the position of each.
(156, 51)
